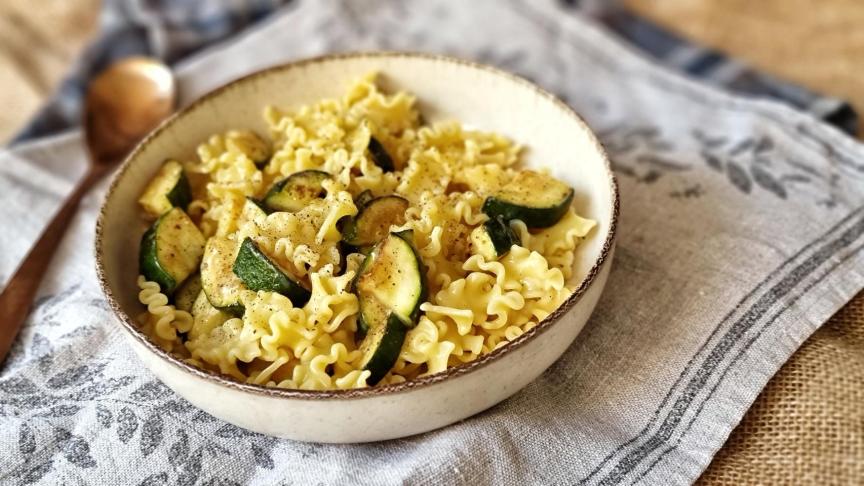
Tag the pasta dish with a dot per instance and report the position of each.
(351, 245)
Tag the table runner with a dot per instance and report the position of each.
(739, 235)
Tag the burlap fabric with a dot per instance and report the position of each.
(808, 424)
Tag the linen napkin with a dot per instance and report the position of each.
(741, 232)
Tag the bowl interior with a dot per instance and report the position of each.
(477, 96)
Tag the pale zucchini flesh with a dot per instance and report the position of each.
(221, 286)
(296, 191)
(171, 250)
(205, 317)
(185, 295)
(394, 276)
(169, 188)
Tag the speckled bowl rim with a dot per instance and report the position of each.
(376, 391)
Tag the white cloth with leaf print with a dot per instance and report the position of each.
(741, 232)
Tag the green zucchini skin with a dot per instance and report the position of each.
(148, 263)
(381, 347)
(296, 191)
(539, 200)
(171, 250)
(258, 272)
(532, 217)
(387, 311)
(372, 223)
(181, 194)
(380, 156)
(494, 238)
(260, 204)
(186, 294)
(408, 237)
(363, 199)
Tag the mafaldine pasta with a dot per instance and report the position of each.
(351, 246)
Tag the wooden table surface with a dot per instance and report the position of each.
(807, 426)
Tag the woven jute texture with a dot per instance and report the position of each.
(807, 426)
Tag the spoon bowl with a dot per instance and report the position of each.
(126, 101)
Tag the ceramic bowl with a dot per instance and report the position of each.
(478, 96)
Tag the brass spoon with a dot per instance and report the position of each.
(123, 104)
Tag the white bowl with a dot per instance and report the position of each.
(476, 95)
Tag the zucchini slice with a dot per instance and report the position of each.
(170, 250)
(185, 295)
(380, 156)
(537, 199)
(296, 191)
(493, 239)
(221, 286)
(373, 222)
(168, 189)
(259, 272)
(363, 199)
(381, 347)
(391, 276)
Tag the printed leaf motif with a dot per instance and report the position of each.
(150, 391)
(262, 457)
(764, 145)
(60, 411)
(127, 424)
(151, 433)
(766, 181)
(713, 161)
(103, 416)
(157, 479)
(738, 177)
(179, 450)
(35, 474)
(18, 386)
(100, 388)
(190, 473)
(26, 440)
(61, 435)
(742, 146)
(229, 430)
(176, 406)
(77, 451)
(31, 402)
(203, 416)
(220, 482)
(74, 376)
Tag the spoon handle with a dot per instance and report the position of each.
(17, 297)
